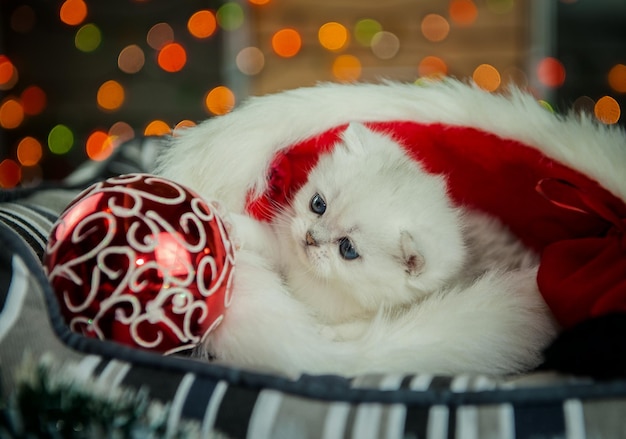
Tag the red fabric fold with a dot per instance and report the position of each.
(585, 277)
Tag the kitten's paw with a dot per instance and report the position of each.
(228, 222)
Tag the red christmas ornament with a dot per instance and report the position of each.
(143, 261)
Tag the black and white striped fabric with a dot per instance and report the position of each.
(241, 404)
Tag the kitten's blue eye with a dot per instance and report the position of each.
(318, 205)
(346, 249)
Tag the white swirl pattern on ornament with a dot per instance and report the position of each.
(171, 230)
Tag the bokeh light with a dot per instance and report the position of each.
(546, 105)
(186, 123)
(432, 67)
(259, 2)
(99, 145)
(487, 77)
(157, 128)
(10, 173)
(435, 28)
(8, 73)
(463, 12)
(220, 100)
(131, 59)
(23, 19)
(250, 60)
(183, 125)
(230, 16)
(88, 38)
(159, 35)
(617, 78)
(551, 72)
(110, 96)
(584, 104)
(172, 57)
(6, 69)
(385, 45)
(73, 12)
(607, 110)
(333, 36)
(121, 132)
(60, 139)
(11, 114)
(202, 24)
(286, 42)
(365, 29)
(347, 68)
(29, 151)
(33, 100)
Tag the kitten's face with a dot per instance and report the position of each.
(371, 224)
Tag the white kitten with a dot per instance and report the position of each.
(372, 269)
(368, 230)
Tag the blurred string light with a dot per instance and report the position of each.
(202, 24)
(11, 114)
(33, 100)
(617, 78)
(183, 124)
(286, 42)
(157, 128)
(607, 110)
(463, 12)
(432, 66)
(23, 19)
(121, 131)
(487, 77)
(110, 96)
(584, 104)
(230, 16)
(551, 72)
(546, 105)
(365, 29)
(29, 151)
(60, 139)
(347, 68)
(8, 73)
(88, 38)
(10, 173)
(159, 35)
(220, 100)
(172, 57)
(333, 36)
(435, 28)
(385, 45)
(73, 12)
(131, 59)
(99, 145)
(250, 61)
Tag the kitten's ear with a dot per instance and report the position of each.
(355, 136)
(413, 260)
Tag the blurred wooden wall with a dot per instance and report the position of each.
(498, 36)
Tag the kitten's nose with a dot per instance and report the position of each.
(309, 238)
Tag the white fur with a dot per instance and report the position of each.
(374, 193)
(485, 316)
(225, 156)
